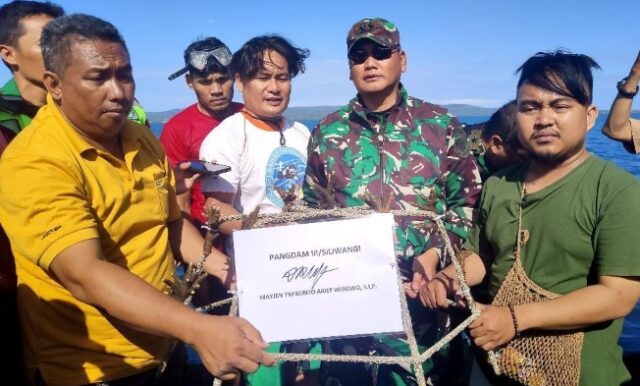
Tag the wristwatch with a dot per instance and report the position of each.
(623, 92)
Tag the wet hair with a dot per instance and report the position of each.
(503, 124)
(12, 14)
(249, 59)
(205, 44)
(58, 36)
(560, 72)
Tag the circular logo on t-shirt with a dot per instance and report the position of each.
(285, 172)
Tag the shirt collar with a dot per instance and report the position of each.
(129, 134)
(10, 89)
(401, 98)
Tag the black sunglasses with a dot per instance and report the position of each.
(377, 52)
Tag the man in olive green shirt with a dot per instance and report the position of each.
(581, 215)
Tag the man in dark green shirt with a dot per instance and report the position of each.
(21, 23)
(580, 213)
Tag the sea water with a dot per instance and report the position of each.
(597, 143)
(600, 145)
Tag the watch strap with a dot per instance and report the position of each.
(624, 92)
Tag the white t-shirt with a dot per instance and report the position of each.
(258, 162)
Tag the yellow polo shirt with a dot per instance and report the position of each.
(57, 190)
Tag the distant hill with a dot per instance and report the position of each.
(161, 116)
(312, 113)
(315, 113)
(461, 110)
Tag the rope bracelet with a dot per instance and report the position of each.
(515, 320)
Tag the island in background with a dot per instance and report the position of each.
(316, 113)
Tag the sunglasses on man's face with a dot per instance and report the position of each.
(360, 56)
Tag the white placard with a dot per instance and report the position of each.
(325, 279)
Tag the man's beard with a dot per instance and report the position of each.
(554, 159)
(549, 159)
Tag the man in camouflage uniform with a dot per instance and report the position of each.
(390, 150)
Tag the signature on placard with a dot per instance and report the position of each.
(313, 272)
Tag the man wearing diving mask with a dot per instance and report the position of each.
(207, 74)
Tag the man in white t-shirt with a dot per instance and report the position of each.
(266, 152)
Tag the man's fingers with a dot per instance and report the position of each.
(460, 300)
(475, 324)
(408, 290)
(227, 376)
(252, 353)
(251, 333)
(423, 295)
(430, 272)
(247, 365)
(417, 281)
(440, 292)
(476, 331)
(489, 346)
(184, 165)
(427, 294)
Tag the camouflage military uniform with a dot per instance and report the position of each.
(416, 155)
(474, 133)
(413, 156)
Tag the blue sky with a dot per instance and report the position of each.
(458, 51)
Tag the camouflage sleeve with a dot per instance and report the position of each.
(462, 185)
(315, 173)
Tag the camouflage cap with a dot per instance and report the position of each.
(378, 30)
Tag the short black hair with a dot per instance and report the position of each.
(58, 36)
(561, 72)
(11, 15)
(249, 59)
(205, 44)
(502, 123)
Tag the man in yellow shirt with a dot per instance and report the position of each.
(88, 201)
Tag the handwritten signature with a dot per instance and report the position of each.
(309, 273)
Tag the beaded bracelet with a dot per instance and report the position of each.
(515, 320)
